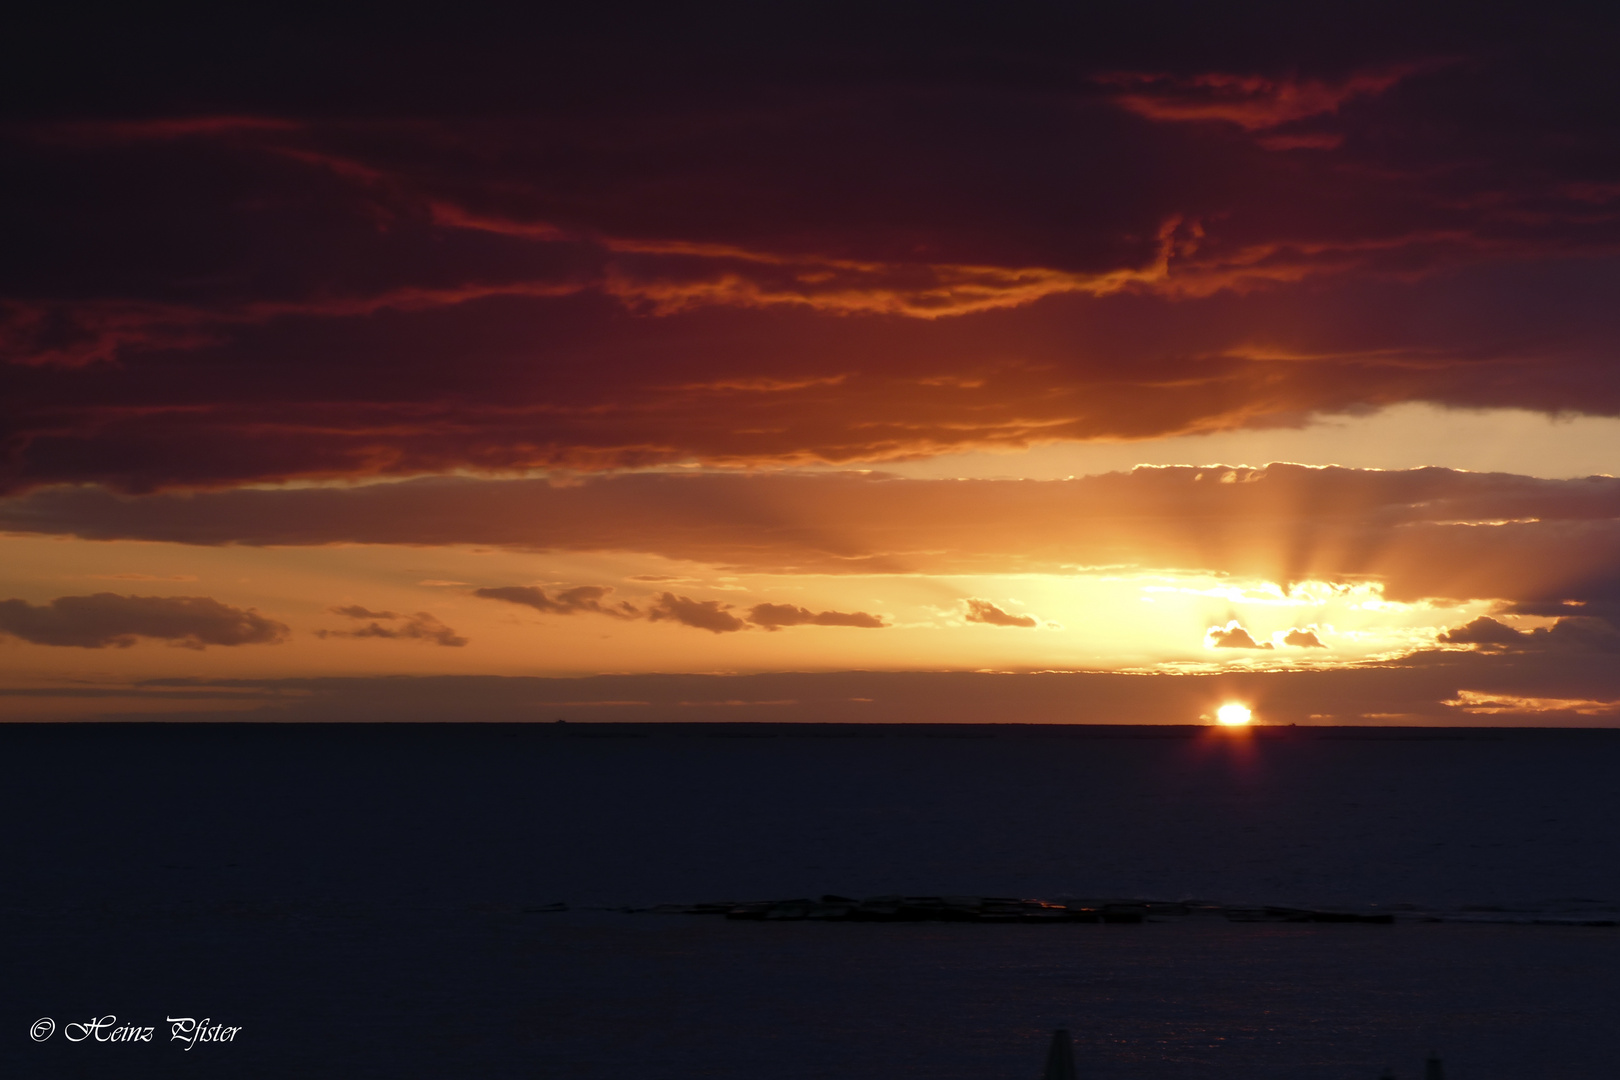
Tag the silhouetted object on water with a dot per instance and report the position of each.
(1432, 1069)
(999, 909)
(1060, 1057)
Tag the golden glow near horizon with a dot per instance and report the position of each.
(945, 595)
(1234, 714)
(1399, 437)
(1107, 619)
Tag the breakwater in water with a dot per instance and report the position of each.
(1002, 909)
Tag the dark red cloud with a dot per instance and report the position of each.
(1249, 101)
(726, 244)
(107, 620)
(983, 611)
(422, 626)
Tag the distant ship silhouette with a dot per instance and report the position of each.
(1432, 1069)
(1060, 1061)
(1060, 1057)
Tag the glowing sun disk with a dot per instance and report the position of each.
(1233, 715)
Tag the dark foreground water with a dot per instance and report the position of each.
(352, 898)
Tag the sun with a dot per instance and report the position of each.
(1233, 715)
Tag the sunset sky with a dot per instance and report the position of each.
(1013, 363)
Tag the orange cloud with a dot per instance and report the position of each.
(1252, 102)
(142, 577)
(1480, 703)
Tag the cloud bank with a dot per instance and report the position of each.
(1460, 689)
(1422, 533)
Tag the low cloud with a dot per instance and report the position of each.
(142, 577)
(704, 614)
(1576, 633)
(1441, 687)
(983, 611)
(776, 616)
(711, 615)
(108, 619)
(1233, 636)
(421, 626)
(1303, 639)
(1482, 704)
(567, 602)
(1483, 631)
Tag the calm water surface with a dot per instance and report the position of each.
(353, 898)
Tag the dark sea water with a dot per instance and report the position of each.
(354, 898)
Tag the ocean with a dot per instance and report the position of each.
(459, 901)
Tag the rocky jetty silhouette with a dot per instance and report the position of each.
(997, 909)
